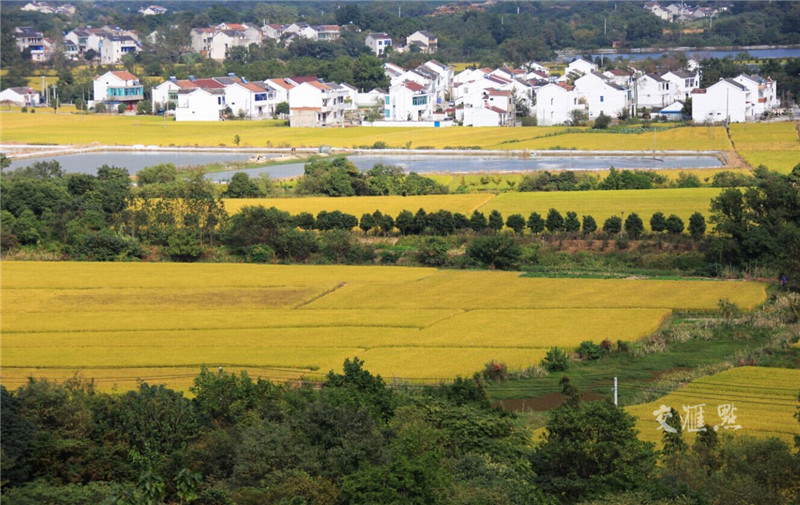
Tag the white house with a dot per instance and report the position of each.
(659, 11)
(372, 98)
(21, 96)
(216, 41)
(602, 96)
(555, 103)
(280, 87)
(378, 42)
(724, 101)
(313, 103)
(200, 104)
(762, 93)
(487, 116)
(619, 76)
(391, 70)
(682, 83)
(673, 111)
(409, 101)
(425, 41)
(26, 37)
(579, 67)
(118, 87)
(114, 47)
(248, 99)
(166, 94)
(652, 91)
(469, 74)
(273, 31)
(152, 10)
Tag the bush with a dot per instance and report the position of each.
(433, 252)
(634, 226)
(535, 223)
(517, 223)
(556, 360)
(588, 350)
(121, 108)
(697, 225)
(658, 222)
(100, 108)
(495, 251)
(674, 224)
(602, 122)
(571, 223)
(495, 371)
(589, 225)
(530, 121)
(555, 221)
(184, 246)
(260, 253)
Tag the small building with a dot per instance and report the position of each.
(409, 101)
(118, 87)
(20, 96)
(426, 41)
(724, 101)
(378, 42)
(672, 112)
(114, 47)
(652, 91)
(152, 10)
(313, 104)
(487, 116)
(602, 96)
(682, 83)
(26, 37)
(555, 103)
(200, 104)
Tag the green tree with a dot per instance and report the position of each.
(517, 223)
(589, 225)
(634, 226)
(672, 437)
(366, 223)
(658, 222)
(697, 225)
(535, 223)
(478, 221)
(241, 186)
(495, 220)
(674, 224)
(613, 225)
(591, 450)
(556, 360)
(571, 223)
(163, 173)
(555, 221)
(601, 122)
(433, 252)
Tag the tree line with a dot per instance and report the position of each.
(354, 440)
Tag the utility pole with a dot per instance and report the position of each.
(615, 391)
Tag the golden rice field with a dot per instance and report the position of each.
(774, 145)
(46, 127)
(161, 321)
(765, 400)
(599, 204)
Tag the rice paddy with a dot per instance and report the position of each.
(598, 204)
(774, 145)
(160, 322)
(765, 400)
(48, 128)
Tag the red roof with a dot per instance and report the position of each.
(497, 110)
(566, 86)
(304, 78)
(282, 83)
(125, 75)
(698, 91)
(413, 86)
(208, 83)
(185, 83)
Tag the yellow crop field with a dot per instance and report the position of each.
(765, 400)
(599, 204)
(603, 204)
(358, 205)
(774, 145)
(47, 127)
(162, 321)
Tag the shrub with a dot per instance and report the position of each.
(121, 108)
(658, 222)
(100, 108)
(535, 223)
(516, 222)
(697, 225)
(634, 226)
(602, 122)
(495, 251)
(555, 221)
(556, 360)
(530, 121)
(433, 252)
(495, 371)
(571, 223)
(589, 225)
(674, 224)
(260, 253)
(588, 350)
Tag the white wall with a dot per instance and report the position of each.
(720, 102)
(554, 105)
(199, 105)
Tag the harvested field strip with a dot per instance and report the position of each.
(604, 204)
(774, 145)
(440, 323)
(358, 205)
(765, 399)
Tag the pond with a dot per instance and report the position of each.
(699, 55)
(470, 163)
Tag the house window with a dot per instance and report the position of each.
(551, 101)
(601, 98)
(387, 113)
(261, 97)
(219, 100)
(419, 100)
(386, 100)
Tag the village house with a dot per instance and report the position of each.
(378, 43)
(602, 96)
(20, 96)
(494, 108)
(373, 98)
(273, 31)
(652, 91)
(555, 103)
(118, 87)
(215, 42)
(114, 47)
(200, 104)
(577, 68)
(313, 104)
(425, 41)
(152, 10)
(682, 83)
(619, 76)
(164, 97)
(26, 37)
(408, 101)
(48, 8)
(249, 100)
(762, 94)
(724, 101)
